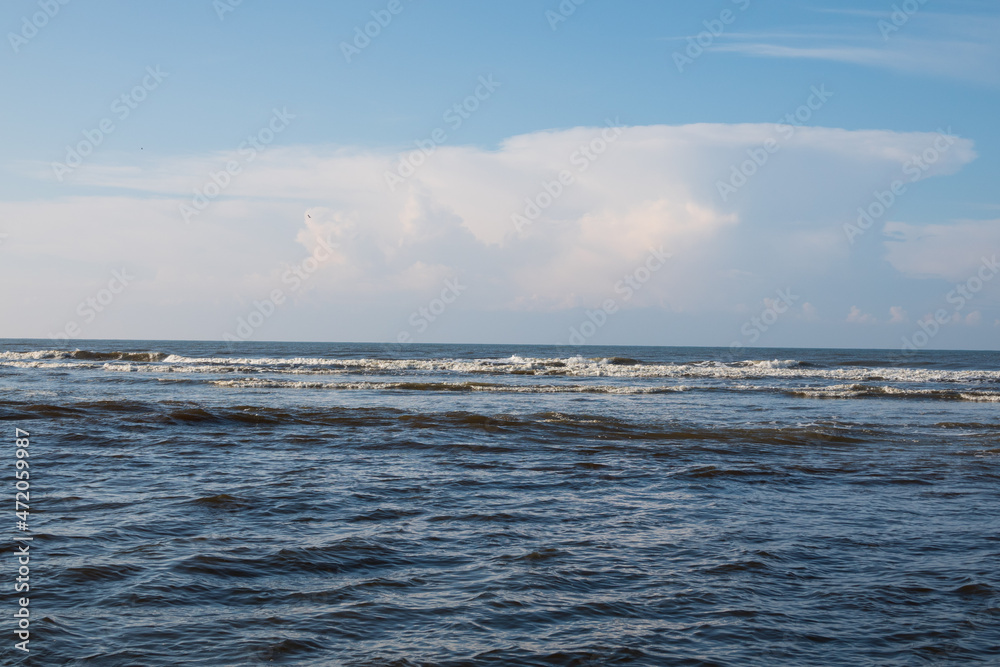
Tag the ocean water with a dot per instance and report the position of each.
(350, 504)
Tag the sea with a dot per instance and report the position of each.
(205, 503)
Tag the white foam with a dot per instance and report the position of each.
(775, 363)
(45, 364)
(119, 367)
(577, 366)
(38, 354)
(863, 390)
(260, 383)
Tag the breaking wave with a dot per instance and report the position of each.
(610, 367)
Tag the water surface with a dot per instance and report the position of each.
(349, 504)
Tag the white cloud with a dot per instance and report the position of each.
(857, 317)
(946, 45)
(655, 186)
(897, 315)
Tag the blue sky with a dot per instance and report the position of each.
(894, 78)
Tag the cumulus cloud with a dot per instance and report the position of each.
(597, 201)
(857, 317)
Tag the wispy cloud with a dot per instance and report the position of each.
(947, 251)
(945, 45)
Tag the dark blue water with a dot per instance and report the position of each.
(321, 504)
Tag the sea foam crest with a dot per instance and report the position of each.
(575, 366)
(37, 354)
